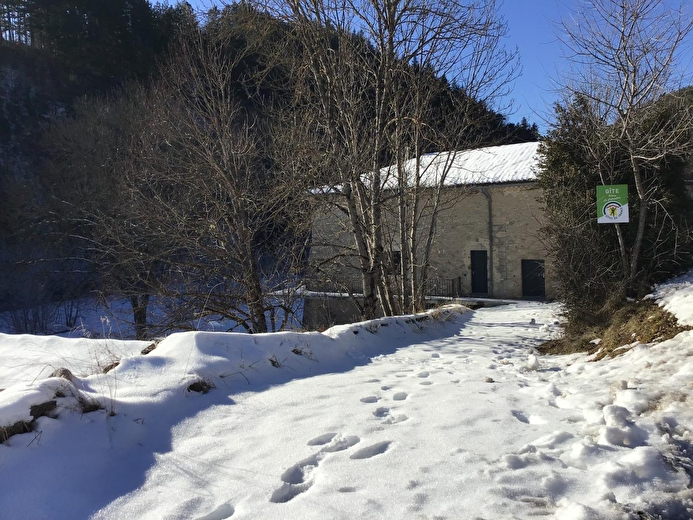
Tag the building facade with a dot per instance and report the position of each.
(488, 240)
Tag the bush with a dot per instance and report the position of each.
(592, 263)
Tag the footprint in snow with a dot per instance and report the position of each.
(396, 419)
(299, 478)
(341, 443)
(384, 413)
(520, 416)
(301, 471)
(424, 374)
(435, 355)
(369, 399)
(426, 383)
(220, 513)
(399, 396)
(296, 480)
(322, 439)
(381, 412)
(371, 451)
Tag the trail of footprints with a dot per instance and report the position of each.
(299, 478)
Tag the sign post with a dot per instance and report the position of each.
(612, 204)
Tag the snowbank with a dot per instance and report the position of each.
(676, 296)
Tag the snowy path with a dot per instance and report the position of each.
(468, 426)
(454, 428)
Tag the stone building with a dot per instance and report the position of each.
(488, 239)
(491, 235)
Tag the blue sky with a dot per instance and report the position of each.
(532, 27)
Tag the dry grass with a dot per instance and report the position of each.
(636, 322)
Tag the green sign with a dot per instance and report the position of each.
(612, 204)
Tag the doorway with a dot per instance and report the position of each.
(479, 272)
(533, 279)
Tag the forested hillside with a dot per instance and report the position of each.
(51, 55)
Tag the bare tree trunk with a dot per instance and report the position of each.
(644, 203)
(623, 250)
(255, 296)
(404, 257)
(139, 303)
(430, 237)
(368, 281)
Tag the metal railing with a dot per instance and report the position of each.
(447, 287)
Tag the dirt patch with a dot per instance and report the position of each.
(636, 322)
(201, 386)
(565, 345)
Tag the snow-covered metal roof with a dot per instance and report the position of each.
(490, 165)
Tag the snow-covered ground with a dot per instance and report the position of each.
(450, 416)
(676, 296)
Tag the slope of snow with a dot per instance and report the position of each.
(27, 358)
(395, 418)
(676, 296)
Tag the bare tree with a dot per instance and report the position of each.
(368, 73)
(86, 204)
(625, 72)
(178, 196)
(234, 225)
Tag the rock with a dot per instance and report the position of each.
(36, 411)
(64, 373)
(110, 367)
(16, 429)
(146, 350)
